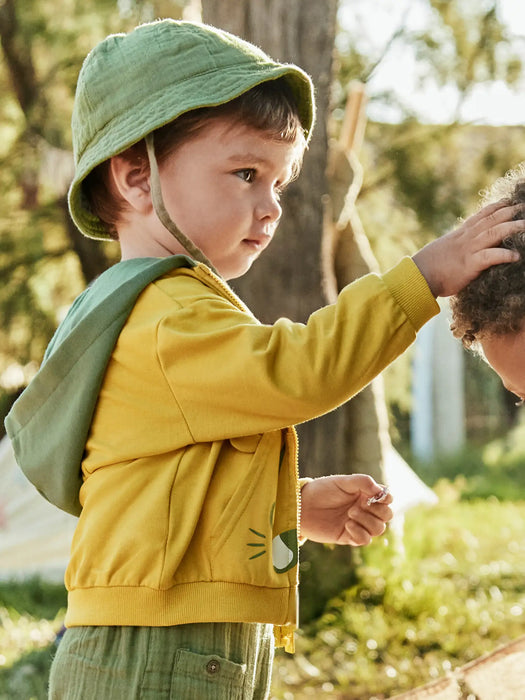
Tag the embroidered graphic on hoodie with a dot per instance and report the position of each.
(284, 547)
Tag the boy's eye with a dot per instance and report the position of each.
(246, 174)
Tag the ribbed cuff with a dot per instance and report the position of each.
(411, 291)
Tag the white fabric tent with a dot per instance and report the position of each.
(407, 489)
(35, 537)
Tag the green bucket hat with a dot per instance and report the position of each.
(131, 84)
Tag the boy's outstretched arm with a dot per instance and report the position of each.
(449, 263)
(335, 509)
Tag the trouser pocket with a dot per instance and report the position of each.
(204, 676)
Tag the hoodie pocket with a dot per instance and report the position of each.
(254, 538)
(243, 527)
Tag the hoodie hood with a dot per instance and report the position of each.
(49, 423)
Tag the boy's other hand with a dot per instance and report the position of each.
(449, 263)
(334, 509)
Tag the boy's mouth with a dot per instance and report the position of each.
(258, 243)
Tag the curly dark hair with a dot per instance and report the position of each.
(494, 303)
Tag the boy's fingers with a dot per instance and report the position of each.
(371, 527)
(357, 535)
(494, 256)
(452, 261)
(484, 212)
(500, 210)
(502, 217)
(490, 239)
(352, 483)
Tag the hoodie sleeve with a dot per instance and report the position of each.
(231, 375)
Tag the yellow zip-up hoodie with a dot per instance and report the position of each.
(189, 499)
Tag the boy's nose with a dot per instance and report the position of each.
(269, 208)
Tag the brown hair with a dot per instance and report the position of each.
(268, 107)
(494, 303)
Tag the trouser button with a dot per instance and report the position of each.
(213, 666)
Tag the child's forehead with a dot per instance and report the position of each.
(239, 145)
(240, 142)
(239, 129)
(505, 353)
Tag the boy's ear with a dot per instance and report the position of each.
(131, 178)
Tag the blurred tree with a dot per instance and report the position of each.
(288, 279)
(44, 260)
(420, 178)
(461, 45)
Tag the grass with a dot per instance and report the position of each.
(455, 592)
(31, 615)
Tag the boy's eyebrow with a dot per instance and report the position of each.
(248, 156)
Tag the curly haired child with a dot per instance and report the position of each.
(488, 315)
(163, 412)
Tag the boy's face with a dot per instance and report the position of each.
(506, 355)
(222, 190)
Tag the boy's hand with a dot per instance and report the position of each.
(449, 263)
(334, 509)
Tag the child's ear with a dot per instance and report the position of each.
(131, 178)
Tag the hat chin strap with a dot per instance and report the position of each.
(165, 219)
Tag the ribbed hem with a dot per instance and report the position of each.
(183, 604)
(411, 291)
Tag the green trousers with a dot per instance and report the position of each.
(212, 661)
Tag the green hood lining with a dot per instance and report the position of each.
(49, 423)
